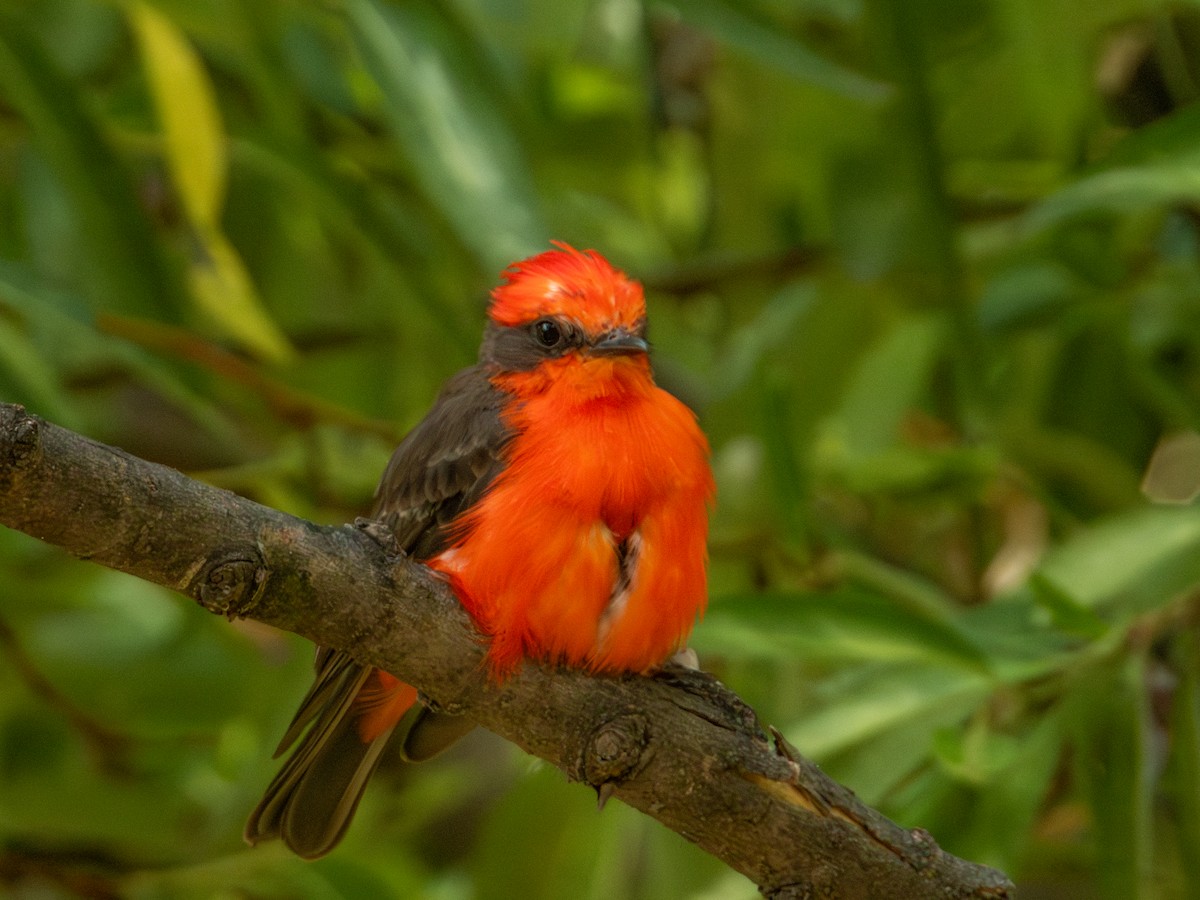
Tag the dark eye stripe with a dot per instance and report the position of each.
(519, 348)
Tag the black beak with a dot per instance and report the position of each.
(617, 343)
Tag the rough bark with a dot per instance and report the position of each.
(679, 747)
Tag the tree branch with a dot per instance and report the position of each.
(679, 747)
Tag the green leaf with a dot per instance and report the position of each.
(579, 853)
(464, 154)
(1152, 166)
(35, 381)
(846, 624)
(1121, 190)
(772, 327)
(1027, 295)
(865, 706)
(66, 340)
(1183, 772)
(1112, 765)
(886, 387)
(902, 469)
(126, 269)
(1065, 611)
(974, 755)
(1130, 563)
(770, 46)
(1021, 642)
(380, 223)
(1012, 797)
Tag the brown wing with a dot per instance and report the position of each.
(442, 466)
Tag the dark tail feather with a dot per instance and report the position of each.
(312, 799)
(430, 733)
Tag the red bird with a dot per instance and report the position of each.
(562, 494)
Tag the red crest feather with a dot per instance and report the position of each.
(578, 285)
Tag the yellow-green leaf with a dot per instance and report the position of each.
(195, 149)
(225, 293)
(187, 110)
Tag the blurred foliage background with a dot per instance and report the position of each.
(929, 271)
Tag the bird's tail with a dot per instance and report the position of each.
(340, 731)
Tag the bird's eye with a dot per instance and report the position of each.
(548, 333)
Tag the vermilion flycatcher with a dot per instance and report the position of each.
(565, 498)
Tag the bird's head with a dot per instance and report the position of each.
(564, 304)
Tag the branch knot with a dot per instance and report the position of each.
(614, 751)
(22, 447)
(231, 585)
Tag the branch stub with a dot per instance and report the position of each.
(230, 585)
(22, 444)
(614, 751)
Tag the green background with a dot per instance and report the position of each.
(927, 270)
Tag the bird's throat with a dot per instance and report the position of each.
(579, 380)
